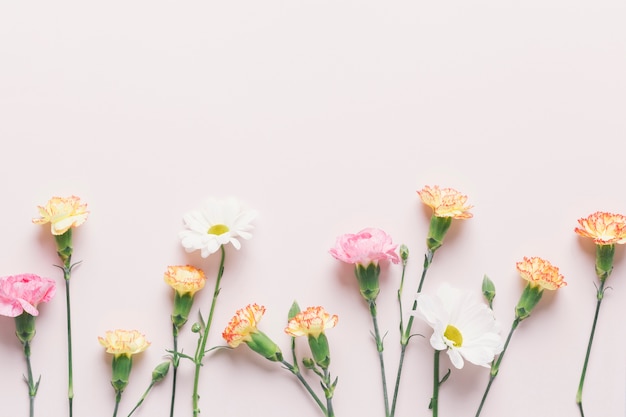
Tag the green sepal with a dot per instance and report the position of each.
(182, 307)
(604, 260)
(367, 277)
(64, 246)
(293, 310)
(489, 290)
(528, 300)
(437, 231)
(320, 350)
(121, 367)
(264, 346)
(25, 327)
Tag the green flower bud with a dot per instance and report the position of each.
(437, 231)
(308, 363)
(64, 246)
(367, 276)
(264, 346)
(160, 372)
(196, 327)
(528, 300)
(404, 252)
(182, 307)
(604, 260)
(25, 327)
(320, 350)
(295, 309)
(121, 366)
(489, 290)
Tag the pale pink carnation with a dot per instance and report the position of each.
(23, 292)
(368, 246)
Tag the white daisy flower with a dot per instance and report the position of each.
(217, 223)
(463, 326)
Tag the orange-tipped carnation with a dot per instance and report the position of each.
(62, 214)
(311, 322)
(604, 228)
(445, 202)
(243, 324)
(540, 273)
(185, 279)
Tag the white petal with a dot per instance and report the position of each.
(456, 358)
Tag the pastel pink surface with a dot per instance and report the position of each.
(325, 117)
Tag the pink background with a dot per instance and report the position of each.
(326, 117)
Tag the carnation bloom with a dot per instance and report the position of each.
(445, 202)
(370, 245)
(603, 228)
(62, 214)
(217, 223)
(540, 273)
(185, 279)
(124, 342)
(243, 324)
(463, 326)
(311, 322)
(22, 293)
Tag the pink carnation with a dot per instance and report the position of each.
(19, 293)
(368, 246)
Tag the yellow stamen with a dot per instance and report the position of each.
(218, 229)
(454, 335)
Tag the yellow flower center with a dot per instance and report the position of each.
(454, 335)
(218, 229)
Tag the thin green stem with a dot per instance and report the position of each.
(380, 348)
(143, 397)
(32, 386)
(296, 371)
(70, 381)
(405, 334)
(434, 402)
(205, 335)
(329, 394)
(118, 397)
(495, 367)
(579, 393)
(175, 361)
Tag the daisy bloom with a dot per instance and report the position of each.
(365, 250)
(462, 325)
(217, 223)
(606, 230)
(242, 328)
(312, 323)
(541, 275)
(62, 214)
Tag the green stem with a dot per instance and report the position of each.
(434, 402)
(70, 385)
(32, 386)
(175, 361)
(495, 367)
(202, 345)
(118, 397)
(579, 393)
(296, 371)
(405, 334)
(380, 348)
(143, 397)
(329, 395)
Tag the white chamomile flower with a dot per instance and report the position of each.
(217, 223)
(463, 326)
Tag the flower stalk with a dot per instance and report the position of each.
(205, 327)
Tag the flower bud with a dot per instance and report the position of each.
(264, 346)
(489, 290)
(160, 372)
(404, 252)
(367, 276)
(320, 350)
(25, 327)
(437, 231)
(196, 328)
(604, 260)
